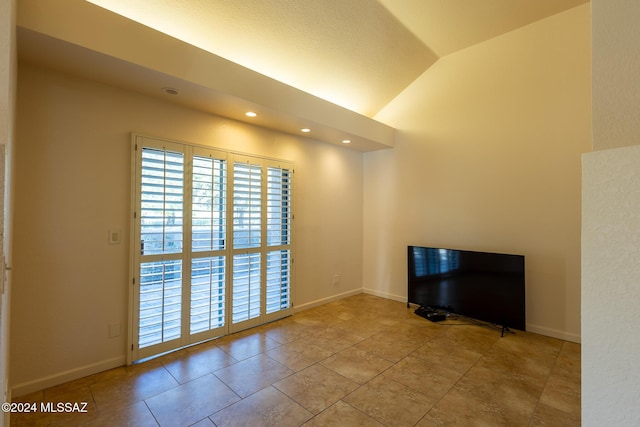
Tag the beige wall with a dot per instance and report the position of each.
(488, 158)
(73, 185)
(611, 222)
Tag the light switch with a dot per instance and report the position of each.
(114, 237)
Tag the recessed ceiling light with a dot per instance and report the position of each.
(250, 114)
(170, 90)
(305, 130)
(346, 141)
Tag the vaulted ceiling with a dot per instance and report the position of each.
(307, 56)
(359, 54)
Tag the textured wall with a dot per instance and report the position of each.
(611, 287)
(611, 222)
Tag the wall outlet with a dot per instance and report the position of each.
(114, 330)
(336, 279)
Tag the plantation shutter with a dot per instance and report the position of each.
(278, 279)
(211, 244)
(247, 240)
(208, 243)
(161, 244)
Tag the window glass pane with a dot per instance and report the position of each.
(278, 281)
(246, 287)
(207, 294)
(208, 204)
(162, 196)
(160, 302)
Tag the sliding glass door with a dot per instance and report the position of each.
(211, 243)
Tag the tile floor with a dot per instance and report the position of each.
(360, 361)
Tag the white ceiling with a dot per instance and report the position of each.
(326, 64)
(359, 54)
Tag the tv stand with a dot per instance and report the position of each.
(506, 328)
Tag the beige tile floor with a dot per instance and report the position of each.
(360, 361)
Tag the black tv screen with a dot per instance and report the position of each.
(480, 285)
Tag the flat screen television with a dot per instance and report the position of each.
(485, 286)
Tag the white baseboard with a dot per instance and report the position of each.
(554, 333)
(66, 376)
(316, 303)
(400, 298)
